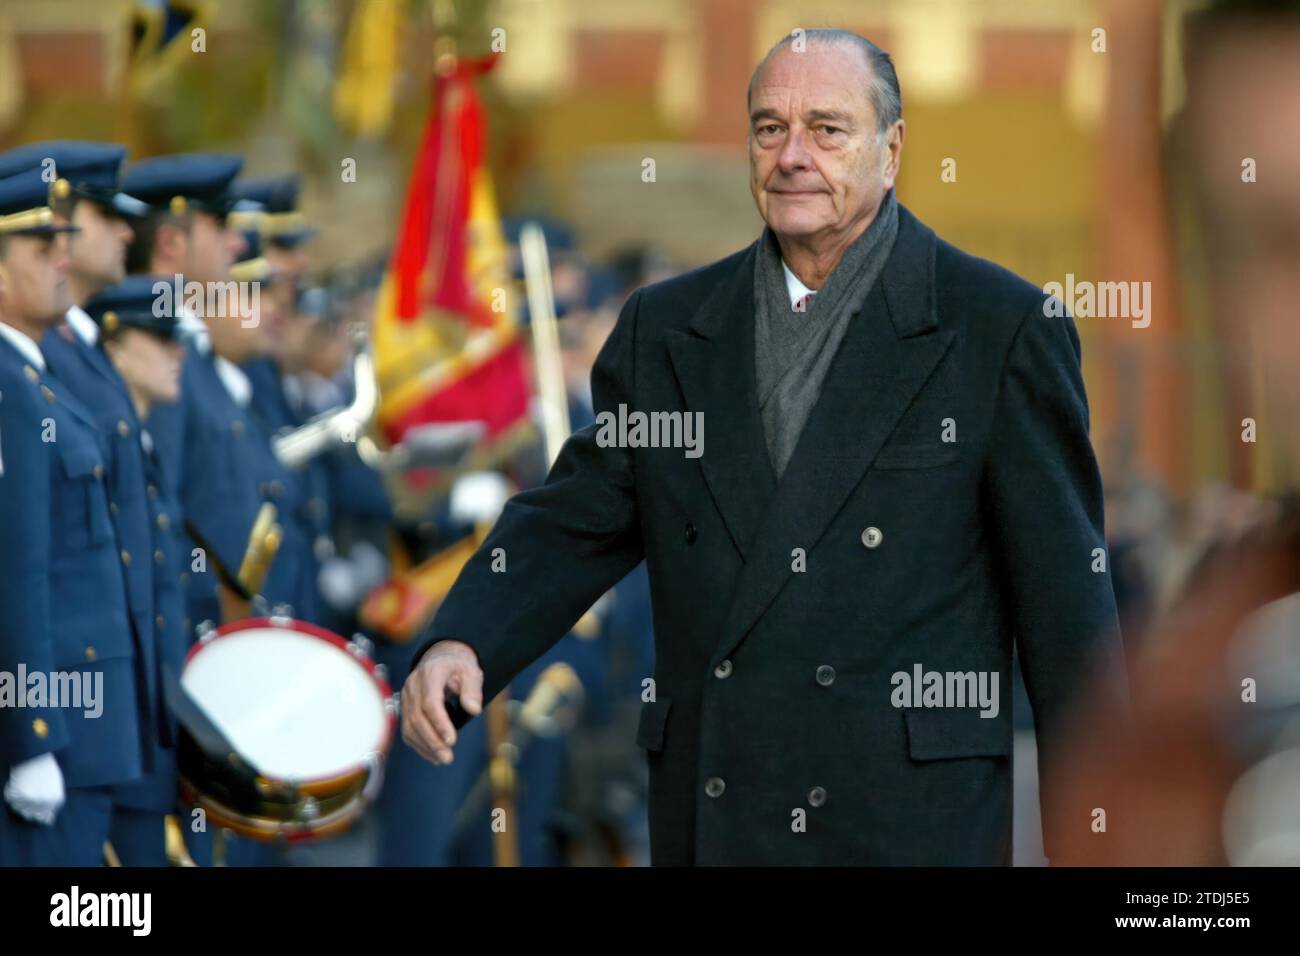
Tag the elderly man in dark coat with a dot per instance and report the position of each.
(878, 481)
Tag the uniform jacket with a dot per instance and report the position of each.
(90, 376)
(63, 604)
(783, 613)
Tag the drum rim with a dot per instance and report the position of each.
(365, 662)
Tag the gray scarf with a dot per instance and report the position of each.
(793, 350)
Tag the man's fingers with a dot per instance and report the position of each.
(471, 688)
(433, 706)
(419, 733)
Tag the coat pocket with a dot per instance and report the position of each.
(82, 517)
(650, 728)
(940, 734)
(922, 455)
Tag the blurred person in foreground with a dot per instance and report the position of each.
(1206, 770)
(897, 479)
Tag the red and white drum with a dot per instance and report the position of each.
(308, 717)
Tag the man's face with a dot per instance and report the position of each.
(817, 166)
(97, 254)
(34, 274)
(1243, 108)
(211, 249)
(291, 261)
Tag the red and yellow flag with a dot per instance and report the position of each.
(446, 340)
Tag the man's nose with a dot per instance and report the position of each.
(794, 153)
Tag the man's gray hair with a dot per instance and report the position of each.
(885, 95)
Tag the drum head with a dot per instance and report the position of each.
(300, 707)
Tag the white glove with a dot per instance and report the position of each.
(35, 789)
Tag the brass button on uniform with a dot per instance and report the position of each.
(159, 557)
(90, 654)
(98, 471)
(40, 728)
(816, 796)
(152, 489)
(33, 376)
(723, 670)
(164, 522)
(123, 428)
(49, 395)
(871, 537)
(160, 621)
(826, 675)
(126, 556)
(714, 786)
(112, 506)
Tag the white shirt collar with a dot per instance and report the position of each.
(236, 382)
(83, 325)
(793, 286)
(25, 346)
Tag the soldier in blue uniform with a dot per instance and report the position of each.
(97, 259)
(203, 442)
(145, 350)
(63, 607)
(300, 494)
(214, 444)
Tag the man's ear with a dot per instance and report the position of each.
(171, 243)
(893, 153)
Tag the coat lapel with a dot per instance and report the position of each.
(888, 353)
(714, 363)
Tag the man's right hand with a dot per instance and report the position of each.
(447, 667)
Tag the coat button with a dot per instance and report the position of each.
(98, 471)
(714, 786)
(826, 675)
(723, 670)
(152, 489)
(126, 556)
(160, 621)
(123, 428)
(40, 728)
(90, 654)
(816, 796)
(871, 537)
(112, 506)
(164, 522)
(690, 533)
(159, 557)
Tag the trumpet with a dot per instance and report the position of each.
(435, 445)
(335, 426)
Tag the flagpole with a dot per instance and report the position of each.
(546, 339)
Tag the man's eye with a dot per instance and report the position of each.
(831, 129)
(768, 129)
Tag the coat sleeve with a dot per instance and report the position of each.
(556, 548)
(25, 635)
(1044, 492)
